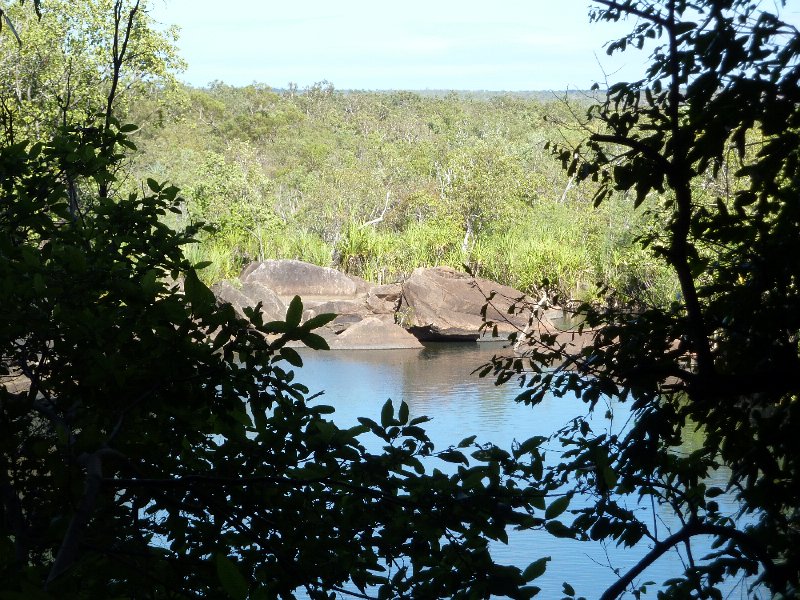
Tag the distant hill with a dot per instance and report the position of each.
(537, 95)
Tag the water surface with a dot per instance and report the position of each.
(438, 382)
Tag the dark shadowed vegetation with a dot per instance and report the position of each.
(155, 445)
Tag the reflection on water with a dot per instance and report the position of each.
(438, 382)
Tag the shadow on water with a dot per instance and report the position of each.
(438, 381)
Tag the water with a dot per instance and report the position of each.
(437, 382)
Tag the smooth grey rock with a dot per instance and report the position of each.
(294, 277)
(226, 293)
(339, 307)
(343, 322)
(273, 308)
(384, 299)
(441, 303)
(374, 334)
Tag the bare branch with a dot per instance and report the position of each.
(745, 543)
(119, 48)
(383, 214)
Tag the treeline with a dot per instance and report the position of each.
(374, 183)
(378, 183)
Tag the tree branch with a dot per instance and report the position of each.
(383, 214)
(68, 551)
(191, 480)
(632, 10)
(119, 48)
(746, 543)
(636, 145)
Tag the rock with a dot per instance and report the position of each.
(434, 304)
(250, 294)
(225, 293)
(339, 307)
(373, 334)
(441, 303)
(273, 307)
(348, 312)
(384, 299)
(294, 277)
(16, 384)
(247, 269)
(342, 322)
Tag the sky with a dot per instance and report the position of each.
(377, 44)
(409, 44)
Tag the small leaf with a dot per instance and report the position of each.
(402, 414)
(453, 456)
(535, 569)
(387, 414)
(610, 477)
(315, 342)
(198, 294)
(538, 502)
(232, 580)
(272, 326)
(557, 507)
(294, 312)
(319, 320)
(468, 441)
(529, 445)
(558, 529)
(291, 356)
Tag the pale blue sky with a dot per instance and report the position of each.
(413, 44)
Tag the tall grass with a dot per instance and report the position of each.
(571, 247)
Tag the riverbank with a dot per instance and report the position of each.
(437, 304)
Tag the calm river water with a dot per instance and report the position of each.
(437, 382)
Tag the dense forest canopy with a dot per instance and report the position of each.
(379, 183)
(156, 445)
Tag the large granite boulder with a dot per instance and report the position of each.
(441, 303)
(272, 306)
(317, 306)
(250, 294)
(226, 293)
(384, 299)
(374, 334)
(343, 322)
(294, 277)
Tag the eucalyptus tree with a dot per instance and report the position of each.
(59, 64)
(709, 140)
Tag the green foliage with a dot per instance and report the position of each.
(378, 184)
(229, 193)
(60, 71)
(707, 145)
(146, 430)
(156, 445)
